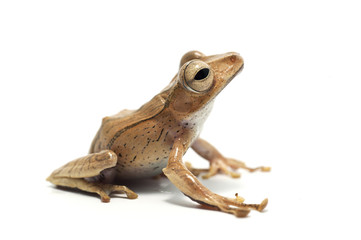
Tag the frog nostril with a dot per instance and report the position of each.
(201, 74)
(233, 58)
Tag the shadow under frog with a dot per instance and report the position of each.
(138, 144)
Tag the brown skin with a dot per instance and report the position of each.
(154, 138)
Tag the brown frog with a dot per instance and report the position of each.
(153, 139)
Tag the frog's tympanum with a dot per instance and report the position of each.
(153, 139)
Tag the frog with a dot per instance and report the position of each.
(152, 140)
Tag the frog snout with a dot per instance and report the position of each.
(236, 59)
(233, 64)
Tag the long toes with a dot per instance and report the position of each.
(207, 176)
(263, 205)
(234, 164)
(105, 198)
(241, 212)
(122, 189)
(212, 171)
(265, 169)
(131, 194)
(233, 174)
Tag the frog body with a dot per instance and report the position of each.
(153, 139)
(143, 146)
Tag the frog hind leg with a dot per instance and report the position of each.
(186, 182)
(218, 163)
(88, 173)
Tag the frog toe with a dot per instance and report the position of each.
(110, 188)
(216, 167)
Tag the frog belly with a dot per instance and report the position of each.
(138, 170)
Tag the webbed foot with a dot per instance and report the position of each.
(227, 166)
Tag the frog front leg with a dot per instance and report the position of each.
(89, 174)
(218, 163)
(186, 182)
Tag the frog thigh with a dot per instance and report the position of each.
(90, 165)
(75, 173)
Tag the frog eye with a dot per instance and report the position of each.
(197, 76)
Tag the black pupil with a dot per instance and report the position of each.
(201, 74)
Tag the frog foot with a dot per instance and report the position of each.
(238, 208)
(236, 164)
(215, 167)
(104, 190)
(225, 166)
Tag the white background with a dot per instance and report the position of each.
(295, 107)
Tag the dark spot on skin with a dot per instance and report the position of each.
(148, 132)
(155, 168)
(125, 145)
(135, 136)
(165, 137)
(153, 126)
(148, 139)
(161, 132)
(120, 155)
(133, 159)
(157, 158)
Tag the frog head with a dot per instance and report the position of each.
(201, 78)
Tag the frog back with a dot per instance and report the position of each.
(113, 126)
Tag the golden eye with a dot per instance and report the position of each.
(197, 76)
